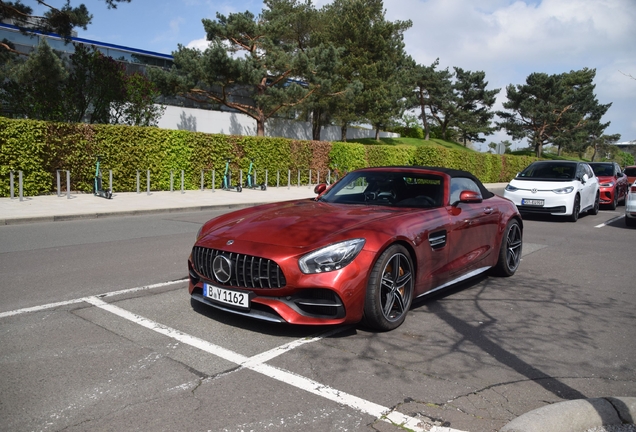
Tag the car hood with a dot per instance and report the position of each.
(606, 179)
(304, 223)
(542, 185)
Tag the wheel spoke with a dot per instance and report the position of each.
(395, 287)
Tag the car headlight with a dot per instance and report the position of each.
(609, 184)
(332, 257)
(511, 188)
(565, 190)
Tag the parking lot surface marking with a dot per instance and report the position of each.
(255, 363)
(609, 221)
(83, 299)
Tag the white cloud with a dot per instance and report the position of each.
(200, 44)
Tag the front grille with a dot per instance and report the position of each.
(247, 271)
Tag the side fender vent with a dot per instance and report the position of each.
(437, 239)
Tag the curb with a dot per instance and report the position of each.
(576, 415)
(101, 215)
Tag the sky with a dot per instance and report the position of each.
(506, 39)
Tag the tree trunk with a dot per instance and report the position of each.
(260, 125)
(377, 133)
(315, 124)
(424, 122)
(343, 132)
(538, 146)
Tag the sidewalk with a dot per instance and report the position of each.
(50, 208)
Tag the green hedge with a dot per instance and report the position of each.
(40, 148)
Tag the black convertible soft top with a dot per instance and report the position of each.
(485, 193)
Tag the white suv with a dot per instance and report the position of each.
(561, 188)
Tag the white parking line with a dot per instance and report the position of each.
(609, 221)
(255, 363)
(83, 299)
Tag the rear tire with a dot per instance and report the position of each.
(510, 250)
(389, 290)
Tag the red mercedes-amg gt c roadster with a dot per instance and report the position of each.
(362, 250)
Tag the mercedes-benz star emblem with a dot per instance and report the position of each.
(222, 268)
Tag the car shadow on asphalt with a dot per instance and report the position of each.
(469, 333)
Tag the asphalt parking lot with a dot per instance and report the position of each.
(98, 333)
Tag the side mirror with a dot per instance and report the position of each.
(320, 188)
(620, 174)
(584, 179)
(469, 197)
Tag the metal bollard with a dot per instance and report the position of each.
(11, 186)
(110, 181)
(309, 185)
(266, 177)
(277, 178)
(171, 181)
(138, 181)
(213, 179)
(148, 181)
(288, 179)
(299, 178)
(241, 177)
(59, 189)
(20, 191)
(68, 184)
(182, 191)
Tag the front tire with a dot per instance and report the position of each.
(614, 203)
(576, 208)
(510, 250)
(597, 204)
(389, 290)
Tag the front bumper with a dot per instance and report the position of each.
(308, 299)
(554, 204)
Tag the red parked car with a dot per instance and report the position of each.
(363, 249)
(613, 183)
(630, 172)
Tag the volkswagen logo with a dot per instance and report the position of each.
(222, 268)
(533, 190)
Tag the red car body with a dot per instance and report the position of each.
(613, 183)
(630, 172)
(363, 249)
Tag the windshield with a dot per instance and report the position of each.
(388, 189)
(630, 171)
(603, 169)
(552, 171)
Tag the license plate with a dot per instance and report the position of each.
(532, 202)
(237, 299)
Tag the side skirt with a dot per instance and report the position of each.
(457, 280)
